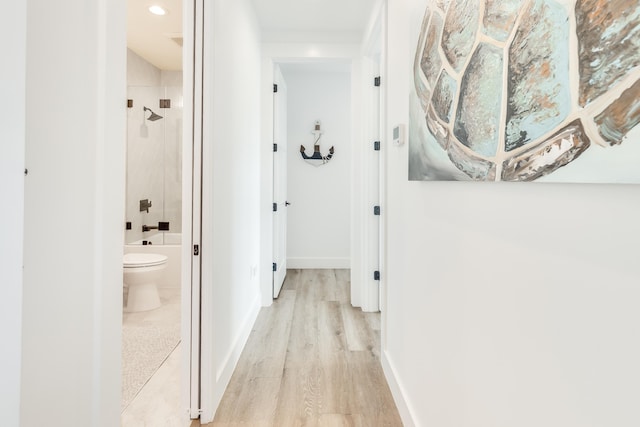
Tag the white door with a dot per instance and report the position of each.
(280, 202)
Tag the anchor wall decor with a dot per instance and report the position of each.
(317, 159)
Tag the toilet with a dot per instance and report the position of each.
(141, 272)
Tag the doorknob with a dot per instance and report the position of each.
(287, 203)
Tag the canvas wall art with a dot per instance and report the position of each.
(533, 90)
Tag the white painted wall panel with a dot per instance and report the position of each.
(74, 204)
(231, 191)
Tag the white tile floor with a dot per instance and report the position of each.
(158, 404)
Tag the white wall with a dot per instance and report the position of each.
(230, 243)
(74, 204)
(508, 304)
(13, 30)
(318, 220)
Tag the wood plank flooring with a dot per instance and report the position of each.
(311, 360)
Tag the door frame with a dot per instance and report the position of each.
(297, 53)
(280, 203)
(373, 293)
(192, 176)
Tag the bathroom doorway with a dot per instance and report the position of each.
(152, 374)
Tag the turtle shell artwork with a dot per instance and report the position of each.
(533, 90)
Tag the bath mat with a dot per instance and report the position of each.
(145, 347)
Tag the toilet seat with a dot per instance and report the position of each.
(136, 260)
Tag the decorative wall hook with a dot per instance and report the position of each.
(317, 159)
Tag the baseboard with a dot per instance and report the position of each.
(406, 414)
(319, 263)
(225, 370)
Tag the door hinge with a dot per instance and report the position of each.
(376, 145)
(196, 250)
(275, 88)
(376, 210)
(275, 207)
(165, 103)
(275, 267)
(376, 275)
(376, 81)
(275, 148)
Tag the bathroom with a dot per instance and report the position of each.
(152, 316)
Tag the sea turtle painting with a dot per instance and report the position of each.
(524, 90)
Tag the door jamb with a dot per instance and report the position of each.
(299, 52)
(192, 205)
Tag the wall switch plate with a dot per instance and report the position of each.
(398, 134)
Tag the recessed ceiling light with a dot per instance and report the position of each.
(157, 10)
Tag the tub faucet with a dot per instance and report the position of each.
(162, 226)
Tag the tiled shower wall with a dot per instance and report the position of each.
(154, 163)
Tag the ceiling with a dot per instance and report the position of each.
(154, 37)
(157, 39)
(313, 15)
(310, 66)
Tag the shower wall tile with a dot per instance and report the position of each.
(154, 162)
(171, 78)
(173, 158)
(145, 163)
(141, 72)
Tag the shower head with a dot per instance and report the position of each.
(153, 117)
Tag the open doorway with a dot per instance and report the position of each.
(156, 336)
(319, 134)
(354, 151)
(313, 135)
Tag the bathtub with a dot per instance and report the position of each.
(168, 244)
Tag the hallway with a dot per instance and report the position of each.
(311, 359)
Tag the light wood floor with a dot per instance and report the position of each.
(311, 360)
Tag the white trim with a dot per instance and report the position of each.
(319, 263)
(12, 163)
(371, 187)
(406, 414)
(109, 205)
(384, 130)
(190, 329)
(273, 53)
(357, 179)
(225, 370)
(207, 314)
(265, 268)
